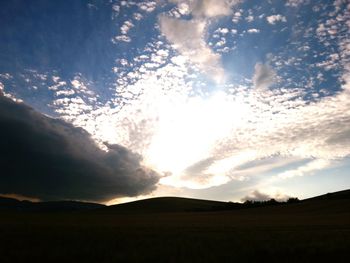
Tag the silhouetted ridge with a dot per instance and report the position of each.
(345, 194)
(11, 204)
(336, 201)
(171, 204)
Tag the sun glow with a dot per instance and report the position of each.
(188, 130)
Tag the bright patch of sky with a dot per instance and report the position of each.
(226, 95)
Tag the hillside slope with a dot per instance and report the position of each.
(170, 204)
(11, 204)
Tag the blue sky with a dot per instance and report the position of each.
(223, 99)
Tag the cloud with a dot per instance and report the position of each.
(276, 18)
(208, 8)
(50, 159)
(312, 166)
(211, 140)
(295, 3)
(256, 195)
(187, 36)
(253, 30)
(147, 6)
(123, 38)
(263, 76)
(223, 133)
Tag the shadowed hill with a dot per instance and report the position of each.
(330, 202)
(11, 204)
(170, 204)
(345, 194)
(337, 201)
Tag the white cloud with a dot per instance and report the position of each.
(264, 76)
(207, 8)
(116, 8)
(124, 29)
(253, 30)
(296, 3)
(223, 31)
(122, 38)
(137, 16)
(5, 76)
(249, 18)
(188, 38)
(184, 8)
(312, 166)
(57, 85)
(236, 17)
(65, 92)
(148, 6)
(221, 43)
(273, 19)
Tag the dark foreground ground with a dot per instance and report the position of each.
(317, 230)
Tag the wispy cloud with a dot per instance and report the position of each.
(312, 166)
(188, 38)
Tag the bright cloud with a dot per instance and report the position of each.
(312, 166)
(188, 38)
(208, 8)
(273, 19)
(253, 30)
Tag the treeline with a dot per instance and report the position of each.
(272, 201)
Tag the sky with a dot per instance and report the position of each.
(114, 101)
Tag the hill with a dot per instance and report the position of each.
(345, 194)
(178, 204)
(170, 204)
(11, 204)
(336, 200)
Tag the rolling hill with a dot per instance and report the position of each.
(170, 204)
(11, 204)
(337, 200)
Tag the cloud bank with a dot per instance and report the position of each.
(50, 159)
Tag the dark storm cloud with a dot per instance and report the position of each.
(51, 159)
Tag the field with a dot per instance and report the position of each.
(303, 232)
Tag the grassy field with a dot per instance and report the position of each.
(303, 232)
